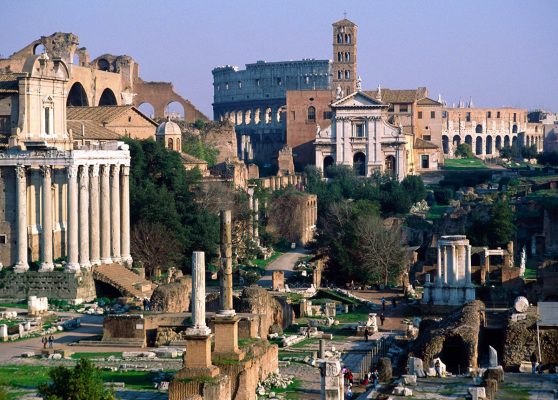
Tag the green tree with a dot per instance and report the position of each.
(464, 150)
(196, 147)
(83, 382)
(414, 186)
(502, 226)
(530, 151)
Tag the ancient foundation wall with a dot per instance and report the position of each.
(124, 327)
(217, 388)
(54, 285)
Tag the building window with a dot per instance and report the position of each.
(5, 124)
(3, 239)
(339, 56)
(218, 87)
(279, 82)
(348, 38)
(347, 56)
(424, 161)
(47, 120)
(468, 117)
(257, 82)
(327, 114)
(240, 84)
(347, 74)
(391, 108)
(339, 74)
(359, 130)
(444, 114)
(514, 117)
(339, 38)
(432, 114)
(227, 86)
(403, 108)
(420, 115)
(311, 113)
(488, 114)
(498, 114)
(427, 137)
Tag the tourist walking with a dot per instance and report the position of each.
(382, 318)
(437, 368)
(375, 378)
(44, 341)
(366, 334)
(383, 304)
(534, 362)
(51, 341)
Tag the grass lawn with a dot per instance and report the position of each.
(464, 163)
(360, 314)
(77, 356)
(437, 211)
(530, 273)
(263, 263)
(31, 376)
(291, 391)
(14, 305)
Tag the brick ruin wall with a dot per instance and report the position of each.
(54, 285)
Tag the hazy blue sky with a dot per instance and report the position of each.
(499, 52)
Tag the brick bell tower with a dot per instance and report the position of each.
(344, 67)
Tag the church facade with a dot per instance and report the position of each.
(60, 201)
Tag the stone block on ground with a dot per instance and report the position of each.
(28, 354)
(409, 379)
(491, 386)
(384, 369)
(526, 367)
(415, 367)
(138, 354)
(496, 373)
(477, 393)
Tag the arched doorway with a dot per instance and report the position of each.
(514, 140)
(456, 141)
(478, 145)
(445, 144)
(478, 128)
(389, 165)
(498, 142)
(514, 128)
(147, 109)
(108, 98)
(39, 49)
(359, 164)
(175, 110)
(489, 145)
(469, 140)
(328, 162)
(77, 96)
(506, 141)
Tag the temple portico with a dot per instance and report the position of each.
(90, 209)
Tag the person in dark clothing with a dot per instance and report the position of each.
(393, 302)
(44, 341)
(51, 341)
(383, 304)
(534, 361)
(382, 318)
(366, 334)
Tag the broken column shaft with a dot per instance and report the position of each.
(198, 295)
(226, 306)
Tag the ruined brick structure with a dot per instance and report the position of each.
(107, 80)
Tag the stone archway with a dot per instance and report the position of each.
(498, 142)
(147, 109)
(108, 98)
(359, 163)
(328, 162)
(478, 146)
(469, 140)
(489, 145)
(445, 144)
(506, 141)
(77, 97)
(390, 165)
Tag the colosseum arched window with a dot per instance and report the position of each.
(239, 117)
(257, 116)
(268, 115)
(247, 117)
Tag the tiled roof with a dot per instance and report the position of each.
(398, 96)
(344, 21)
(428, 102)
(92, 130)
(101, 114)
(187, 158)
(8, 83)
(424, 144)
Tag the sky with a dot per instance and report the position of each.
(500, 53)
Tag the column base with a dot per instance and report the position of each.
(226, 338)
(86, 265)
(106, 261)
(95, 262)
(21, 267)
(46, 267)
(127, 261)
(73, 268)
(116, 259)
(226, 313)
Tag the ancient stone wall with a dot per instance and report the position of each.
(217, 388)
(124, 327)
(173, 297)
(257, 300)
(54, 285)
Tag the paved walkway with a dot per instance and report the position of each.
(285, 262)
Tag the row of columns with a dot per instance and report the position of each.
(98, 227)
(444, 268)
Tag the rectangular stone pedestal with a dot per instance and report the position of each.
(226, 338)
(197, 358)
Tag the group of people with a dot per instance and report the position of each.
(371, 378)
(48, 341)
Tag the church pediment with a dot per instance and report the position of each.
(357, 100)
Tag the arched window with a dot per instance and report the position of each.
(389, 165)
(347, 56)
(445, 144)
(347, 38)
(339, 38)
(339, 56)
(347, 74)
(178, 144)
(328, 162)
(514, 128)
(103, 65)
(478, 128)
(359, 164)
(47, 120)
(170, 144)
(339, 74)
(311, 113)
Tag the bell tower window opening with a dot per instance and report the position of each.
(339, 74)
(339, 38)
(347, 74)
(339, 56)
(347, 56)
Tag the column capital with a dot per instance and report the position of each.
(21, 171)
(94, 170)
(46, 171)
(83, 172)
(115, 170)
(106, 170)
(72, 171)
(125, 169)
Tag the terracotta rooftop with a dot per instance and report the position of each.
(399, 96)
(102, 114)
(428, 102)
(424, 144)
(92, 130)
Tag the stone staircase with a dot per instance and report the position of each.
(123, 279)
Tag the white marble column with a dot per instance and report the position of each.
(73, 264)
(21, 228)
(199, 326)
(115, 212)
(439, 271)
(46, 224)
(105, 215)
(445, 264)
(94, 226)
(468, 264)
(84, 217)
(453, 265)
(125, 215)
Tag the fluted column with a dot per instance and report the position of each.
(199, 326)
(105, 215)
(21, 200)
(125, 215)
(73, 264)
(445, 264)
(94, 234)
(439, 270)
(115, 212)
(468, 264)
(84, 217)
(46, 237)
